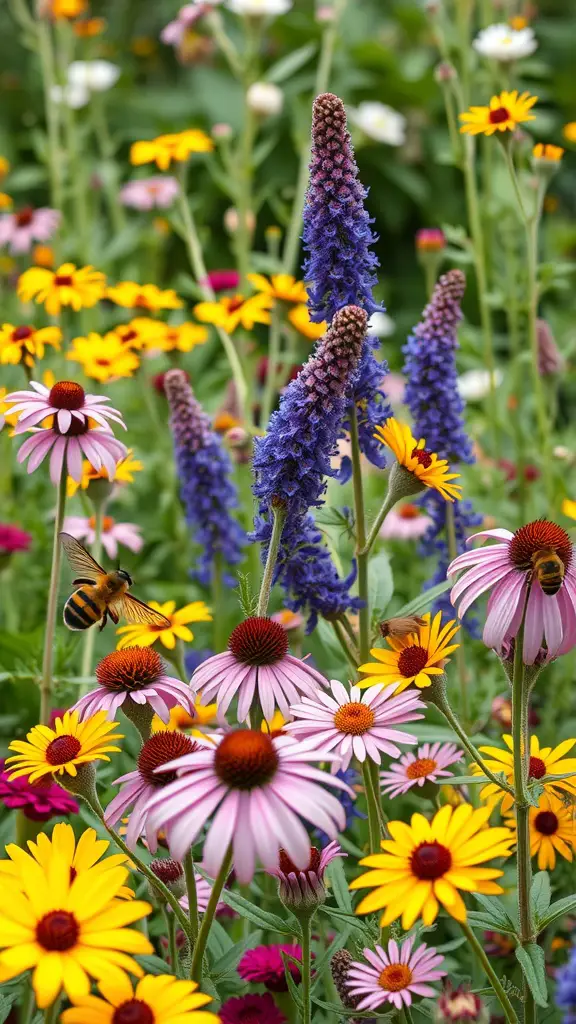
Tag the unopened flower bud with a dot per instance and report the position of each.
(401, 626)
(171, 873)
(460, 1005)
(445, 72)
(222, 131)
(265, 99)
(546, 159)
(550, 359)
(430, 240)
(303, 892)
(325, 13)
(232, 220)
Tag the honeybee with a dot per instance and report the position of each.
(549, 570)
(102, 593)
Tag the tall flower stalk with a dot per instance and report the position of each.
(52, 606)
(521, 749)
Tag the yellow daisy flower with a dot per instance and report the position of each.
(412, 455)
(145, 634)
(543, 761)
(546, 153)
(66, 286)
(280, 286)
(180, 720)
(157, 999)
(103, 358)
(24, 344)
(552, 830)
(60, 750)
(569, 131)
(504, 114)
(299, 317)
(141, 332)
(183, 337)
(4, 167)
(166, 148)
(414, 658)
(231, 311)
(143, 296)
(569, 508)
(125, 470)
(68, 930)
(427, 862)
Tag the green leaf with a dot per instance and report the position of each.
(289, 65)
(292, 987)
(495, 912)
(346, 920)
(341, 1011)
(465, 780)
(381, 586)
(560, 908)
(540, 893)
(478, 919)
(423, 601)
(6, 1002)
(532, 961)
(230, 959)
(153, 964)
(219, 942)
(320, 965)
(262, 918)
(337, 876)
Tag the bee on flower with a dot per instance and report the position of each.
(145, 634)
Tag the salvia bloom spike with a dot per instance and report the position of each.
(205, 473)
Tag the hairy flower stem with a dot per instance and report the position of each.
(218, 625)
(521, 750)
(279, 515)
(170, 922)
(190, 877)
(90, 637)
(460, 659)
(48, 659)
(199, 948)
(439, 698)
(361, 550)
(509, 1011)
(388, 503)
(305, 932)
(344, 644)
(373, 810)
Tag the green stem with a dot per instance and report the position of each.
(521, 750)
(341, 638)
(349, 631)
(373, 810)
(219, 622)
(219, 882)
(460, 659)
(106, 147)
(279, 518)
(305, 991)
(48, 659)
(388, 503)
(245, 203)
(46, 53)
(172, 948)
(513, 325)
(360, 522)
(190, 877)
(90, 637)
(503, 999)
(441, 702)
(272, 368)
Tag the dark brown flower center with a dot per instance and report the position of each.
(129, 335)
(141, 302)
(25, 217)
(287, 866)
(76, 428)
(57, 931)
(130, 669)
(412, 660)
(67, 394)
(420, 768)
(166, 869)
(258, 641)
(539, 536)
(234, 303)
(395, 977)
(158, 750)
(22, 333)
(430, 861)
(62, 750)
(499, 115)
(537, 768)
(134, 1011)
(546, 823)
(246, 759)
(354, 718)
(423, 456)
(63, 280)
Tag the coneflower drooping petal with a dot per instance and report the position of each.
(205, 473)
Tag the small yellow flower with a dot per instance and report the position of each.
(426, 467)
(66, 286)
(299, 317)
(24, 344)
(504, 114)
(231, 311)
(5, 415)
(43, 256)
(415, 658)
(517, 22)
(166, 148)
(124, 474)
(146, 634)
(543, 761)
(60, 750)
(569, 131)
(158, 999)
(275, 725)
(181, 337)
(547, 153)
(103, 358)
(143, 296)
(569, 508)
(280, 286)
(141, 332)
(89, 27)
(552, 830)
(5, 201)
(4, 167)
(225, 421)
(180, 720)
(68, 8)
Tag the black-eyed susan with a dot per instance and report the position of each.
(141, 332)
(180, 337)
(79, 288)
(25, 344)
(59, 751)
(157, 999)
(166, 148)
(145, 634)
(299, 317)
(416, 658)
(547, 152)
(68, 930)
(103, 358)
(503, 114)
(543, 761)
(232, 311)
(426, 862)
(143, 296)
(284, 287)
(413, 457)
(124, 474)
(552, 829)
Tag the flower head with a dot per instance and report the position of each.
(59, 751)
(504, 114)
(25, 344)
(544, 153)
(303, 891)
(460, 1006)
(12, 538)
(503, 43)
(543, 761)
(158, 192)
(232, 311)
(156, 999)
(103, 358)
(143, 332)
(222, 280)
(380, 122)
(66, 286)
(264, 965)
(429, 861)
(38, 801)
(21, 229)
(395, 974)
(124, 473)
(414, 658)
(251, 1009)
(413, 456)
(552, 829)
(145, 634)
(405, 522)
(565, 989)
(282, 287)
(67, 8)
(166, 148)
(174, 33)
(143, 296)
(299, 317)
(430, 240)
(179, 337)
(428, 764)
(112, 533)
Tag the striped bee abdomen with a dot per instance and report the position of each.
(81, 611)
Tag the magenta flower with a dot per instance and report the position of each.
(508, 570)
(297, 887)
(174, 32)
(257, 787)
(405, 522)
(256, 662)
(264, 965)
(113, 533)
(135, 674)
(20, 230)
(12, 538)
(222, 280)
(159, 191)
(251, 1009)
(356, 723)
(394, 975)
(38, 801)
(414, 769)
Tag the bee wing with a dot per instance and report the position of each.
(139, 613)
(80, 559)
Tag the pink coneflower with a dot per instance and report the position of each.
(148, 781)
(20, 230)
(113, 533)
(12, 538)
(251, 1009)
(146, 193)
(38, 801)
(394, 975)
(257, 661)
(66, 401)
(405, 522)
(135, 674)
(356, 723)
(414, 769)
(298, 888)
(509, 571)
(222, 280)
(257, 786)
(264, 965)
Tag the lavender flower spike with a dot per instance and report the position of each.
(206, 489)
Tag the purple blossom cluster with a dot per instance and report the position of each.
(566, 989)
(206, 489)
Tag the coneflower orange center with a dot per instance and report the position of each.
(245, 759)
(158, 750)
(107, 523)
(67, 394)
(546, 823)
(412, 660)
(499, 115)
(420, 768)
(423, 457)
(395, 977)
(130, 669)
(57, 931)
(258, 641)
(288, 867)
(62, 750)
(430, 861)
(537, 768)
(133, 1011)
(354, 718)
(22, 333)
(538, 536)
